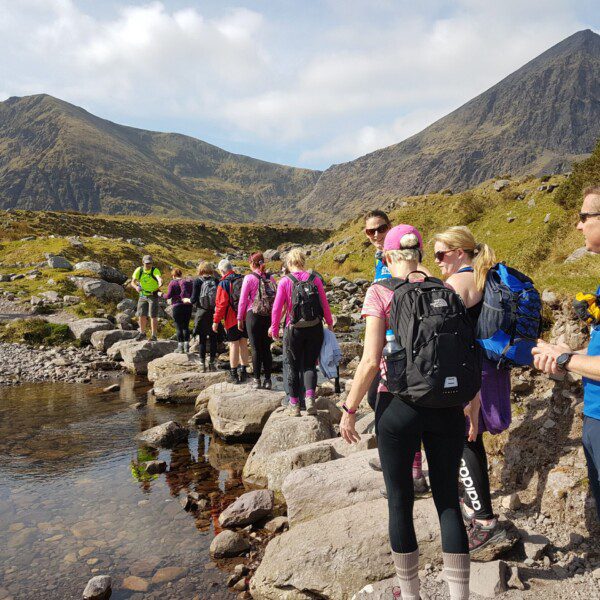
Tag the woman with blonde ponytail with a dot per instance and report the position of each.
(465, 264)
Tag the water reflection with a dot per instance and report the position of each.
(75, 500)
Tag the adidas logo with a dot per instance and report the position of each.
(439, 303)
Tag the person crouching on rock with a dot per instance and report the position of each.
(401, 426)
(254, 316)
(147, 280)
(204, 298)
(179, 293)
(303, 296)
(227, 303)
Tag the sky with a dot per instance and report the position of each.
(308, 83)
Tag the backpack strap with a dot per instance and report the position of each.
(311, 277)
(292, 278)
(391, 283)
(466, 270)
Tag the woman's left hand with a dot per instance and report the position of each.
(472, 412)
(348, 428)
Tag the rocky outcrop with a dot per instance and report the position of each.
(58, 262)
(103, 340)
(247, 509)
(184, 388)
(279, 465)
(322, 488)
(173, 364)
(164, 436)
(282, 432)
(236, 411)
(110, 274)
(98, 288)
(338, 553)
(137, 354)
(82, 329)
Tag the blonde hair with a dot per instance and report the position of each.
(408, 251)
(296, 257)
(461, 237)
(206, 268)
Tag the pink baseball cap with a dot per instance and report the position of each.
(395, 234)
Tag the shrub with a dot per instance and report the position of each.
(35, 332)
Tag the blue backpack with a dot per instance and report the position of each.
(511, 319)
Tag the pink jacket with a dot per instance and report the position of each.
(284, 298)
(248, 293)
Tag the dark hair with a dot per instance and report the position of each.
(257, 261)
(176, 272)
(378, 213)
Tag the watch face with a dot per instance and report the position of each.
(563, 359)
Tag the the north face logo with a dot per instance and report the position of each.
(439, 303)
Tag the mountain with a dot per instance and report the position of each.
(57, 156)
(537, 120)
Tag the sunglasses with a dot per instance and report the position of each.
(440, 254)
(583, 217)
(381, 229)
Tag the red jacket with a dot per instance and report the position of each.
(223, 309)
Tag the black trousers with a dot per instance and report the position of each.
(475, 479)
(203, 329)
(301, 349)
(401, 427)
(257, 327)
(182, 313)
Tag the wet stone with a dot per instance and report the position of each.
(135, 584)
(169, 574)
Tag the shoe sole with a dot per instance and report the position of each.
(311, 411)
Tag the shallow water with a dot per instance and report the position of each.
(73, 503)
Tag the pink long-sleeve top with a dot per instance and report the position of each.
(284, 298)
(248, 292)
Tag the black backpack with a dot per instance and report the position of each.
(441, 366)
(306, 303)
(207, 298)
(234, 289)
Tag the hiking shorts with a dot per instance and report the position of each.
(235, 335)
(147, 306)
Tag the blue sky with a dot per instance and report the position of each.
(307, 83)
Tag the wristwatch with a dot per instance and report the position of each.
(563, 360)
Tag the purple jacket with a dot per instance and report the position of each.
(174, 292)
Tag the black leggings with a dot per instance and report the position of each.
(400, 428)
(203, 329)
(257, 327)
(475, 479)
(301, 349)
(182, 313)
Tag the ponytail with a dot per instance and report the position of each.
(483, 260)
(257, 261)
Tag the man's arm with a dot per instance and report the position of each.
(588, 366)
(545, 355)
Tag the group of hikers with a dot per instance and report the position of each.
(435, 366)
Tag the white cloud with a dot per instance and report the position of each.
(321, 81)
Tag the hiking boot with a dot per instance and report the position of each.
(141, 336)
(467, 518)
(311, 409)
(375, 464)
(267, 384)
(212, 365)
(421, 485)
(243, 374)
(481, 535)
(285, 402)
(383, 492)
(186, 347)
(203, 365)
(233, 376)
(153, 338)
(179, 349)
(255, 384)
(294, 409)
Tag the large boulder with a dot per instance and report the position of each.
(236, 411)
(338, 553)
(103, 340)
(321, 488)
(137, 354)
(103, 290)
(283, 432)
(82, 329)
(247, 509)
(228, 543)
(164, 436)
(174, 363)
(127, 304)
(114, 352)
(58, 262)
(110, 274)
(183, 388)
